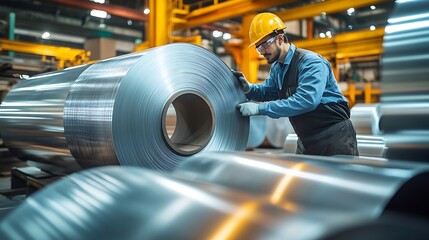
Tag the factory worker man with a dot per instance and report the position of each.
(301, 86)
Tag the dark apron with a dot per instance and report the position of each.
(327, 130)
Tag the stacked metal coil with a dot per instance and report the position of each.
(405, 89)
(114, 111)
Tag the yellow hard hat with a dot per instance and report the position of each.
(262, 25)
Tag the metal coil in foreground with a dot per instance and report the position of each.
(368, 186)
(134, 203)
(117, 110)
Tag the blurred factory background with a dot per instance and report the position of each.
(94, 145)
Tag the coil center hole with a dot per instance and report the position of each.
(187, 123)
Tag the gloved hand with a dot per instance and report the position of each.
(245, 85)
(248, 109)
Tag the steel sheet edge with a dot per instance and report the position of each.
(113, 112)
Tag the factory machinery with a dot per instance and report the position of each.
(122, 168)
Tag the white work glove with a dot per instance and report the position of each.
(248, 109)
(245, 85)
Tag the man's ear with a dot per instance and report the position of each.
(281, 39)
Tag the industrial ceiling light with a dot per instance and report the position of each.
(226, 36)
(146, 11)
(99, 13)
(372, 7)
(99, 1)
(350, 11)
(46, 35)
(372, 27)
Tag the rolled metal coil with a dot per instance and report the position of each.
(32, 118)
(135, 203)
(116, 110)
(368, 186)
(366, 118)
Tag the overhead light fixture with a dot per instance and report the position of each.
(350, 11)
(46, 35)
(372, 7)
(98, 1)
(372, 27)
(226, 36)
(99, 13)
(322, 35)
(129, 22)
(146, 11)
(217, 33)
(329, 34)
(350, 26)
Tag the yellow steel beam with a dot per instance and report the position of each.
(227, 10)
(351, 44)
(60, 53)
(328, 6)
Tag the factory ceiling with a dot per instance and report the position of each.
(75, 24)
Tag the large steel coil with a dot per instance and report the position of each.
(358, 186)
(115, 111)
(405, 78)
(135, 203)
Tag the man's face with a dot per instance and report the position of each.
(269, 48)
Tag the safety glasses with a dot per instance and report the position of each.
(261, 47)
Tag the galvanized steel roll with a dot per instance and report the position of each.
(359, 186)
(135, 203)
(116, 109)
(32, 116)
(366, 118)
(405, 82)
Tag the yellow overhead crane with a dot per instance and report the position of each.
(64, 55)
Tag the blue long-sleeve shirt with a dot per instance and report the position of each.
(316, 84)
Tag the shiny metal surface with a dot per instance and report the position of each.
(408, 145)
(405, 82)
(366, 118)
(89, 108)
(257, 131)
(277, 130)
(135, 203)
(368, 186)
(405, 72)
(31, 118)
(204, 93)
(116, 110)
(368, 145)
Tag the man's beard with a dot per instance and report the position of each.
(275, 57)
